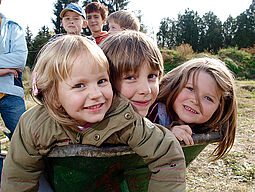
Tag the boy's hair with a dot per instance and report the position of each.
(54, 64)
(128, 50)
(125, 19)
(225, 117)
(97, 7)
(75, 8)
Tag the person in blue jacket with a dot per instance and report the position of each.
(13, 55)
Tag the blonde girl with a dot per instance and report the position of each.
(198, 96)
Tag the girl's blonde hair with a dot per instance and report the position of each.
(54, 64)
(128, 50)
(225, 117)
(125, 19)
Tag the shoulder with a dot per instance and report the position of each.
(35, 117)
(53, 37)
(38, 127)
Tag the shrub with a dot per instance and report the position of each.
(185, 50)
(171, 59)
(240, 62)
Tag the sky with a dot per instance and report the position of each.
(37, 13)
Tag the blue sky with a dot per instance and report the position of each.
(36, 13)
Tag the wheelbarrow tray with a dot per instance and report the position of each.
(112, 168)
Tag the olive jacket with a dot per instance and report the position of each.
(37, 133)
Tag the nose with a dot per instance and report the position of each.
(94, 92)
(144, 87)
(194, 98)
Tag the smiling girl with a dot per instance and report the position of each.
(196, 97)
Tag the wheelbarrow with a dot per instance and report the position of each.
(111, 168)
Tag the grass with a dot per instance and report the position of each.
(236, 171)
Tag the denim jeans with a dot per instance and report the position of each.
(11, 108)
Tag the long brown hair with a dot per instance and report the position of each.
(225, 117)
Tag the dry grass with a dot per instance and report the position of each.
(236, 171)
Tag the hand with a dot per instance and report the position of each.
(15, 72)
(183, 133)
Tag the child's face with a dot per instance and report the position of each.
(73, 23)
(186, 106)
(87, 94)
(95, 22)
(140, 87)
(114, 27)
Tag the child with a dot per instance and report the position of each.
(73, 19)
(136, 65)
(97, 15)
(71, 80)
(198, 96)
(122, 20)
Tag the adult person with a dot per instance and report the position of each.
(13, 55)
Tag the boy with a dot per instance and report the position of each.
(122, 20)
(73, 19)
(96, 16)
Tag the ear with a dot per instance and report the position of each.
(85, 24)
(104, 21)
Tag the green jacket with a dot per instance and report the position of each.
(37, 133)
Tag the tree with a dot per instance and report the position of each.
(212, 38)
(245, 33)
(42, 37)
(167, 33)
(188, 29)
(229, 28)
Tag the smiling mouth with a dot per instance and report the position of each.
(190, 109)
(95, 106)
(141, 103)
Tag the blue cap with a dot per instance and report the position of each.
(73, 7)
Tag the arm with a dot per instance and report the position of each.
(15, 49)
(183, 133)
(5, 71)
(23, 164)
(161, 151)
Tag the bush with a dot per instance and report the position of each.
(240, 62)
(171, 59)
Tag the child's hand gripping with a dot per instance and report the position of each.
(183, 133)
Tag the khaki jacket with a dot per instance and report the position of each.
(37, 133)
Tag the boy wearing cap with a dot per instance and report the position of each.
(73, 19)
(96, 16)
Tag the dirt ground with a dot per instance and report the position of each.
(236, 171)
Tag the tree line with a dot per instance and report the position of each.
(208, 33)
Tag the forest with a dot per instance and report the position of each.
(187, 36)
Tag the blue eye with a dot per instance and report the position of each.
(209, 99)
